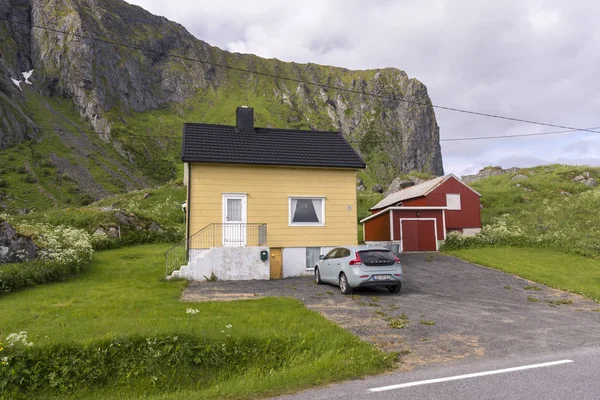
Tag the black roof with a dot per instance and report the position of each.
(209, 143)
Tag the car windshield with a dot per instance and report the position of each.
(377, 256)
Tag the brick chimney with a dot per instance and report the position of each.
(244, 118)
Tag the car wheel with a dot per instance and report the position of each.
(318, 276)
(344, 286)
(395, 289)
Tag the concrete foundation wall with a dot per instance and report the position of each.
(295, 261)
(244, 263)
(227, 263)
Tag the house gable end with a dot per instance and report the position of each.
(451, 177)
(469, 213)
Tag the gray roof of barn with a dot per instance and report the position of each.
(422, 189)
(208, 143)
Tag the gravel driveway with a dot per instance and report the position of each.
(455, 309)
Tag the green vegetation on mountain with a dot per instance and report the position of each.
(161, 204)
(67, 165)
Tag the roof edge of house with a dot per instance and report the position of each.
(329, 166)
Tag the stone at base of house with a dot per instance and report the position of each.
(471, 231)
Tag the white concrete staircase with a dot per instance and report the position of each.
(199, 263)
(226, 263)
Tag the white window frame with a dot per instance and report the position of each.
(450, 208)
(241, 238)
(290, 223)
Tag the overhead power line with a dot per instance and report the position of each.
(354, 141)
(296, 80)
(519, 135)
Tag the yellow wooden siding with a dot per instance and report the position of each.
(268, 190)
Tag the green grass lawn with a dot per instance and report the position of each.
(123, 294)
(549, 267)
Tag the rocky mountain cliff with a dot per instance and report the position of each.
(121, 108)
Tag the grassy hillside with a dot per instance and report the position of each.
(544, 206)
(130, 218)
(67, 165)
(545, 185)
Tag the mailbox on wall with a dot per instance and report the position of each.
(264, 255)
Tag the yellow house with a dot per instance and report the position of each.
(265, 203)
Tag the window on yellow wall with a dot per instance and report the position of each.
(306, 211)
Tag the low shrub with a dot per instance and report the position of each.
(152, 362)
(64, 251)
(14, 277)
(29, 178)
(101, 241)
(499, 233)
(62, 244)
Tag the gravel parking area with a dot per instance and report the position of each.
(450, 309)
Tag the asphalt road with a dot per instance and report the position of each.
(568, 375)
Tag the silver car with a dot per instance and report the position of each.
(354, 267)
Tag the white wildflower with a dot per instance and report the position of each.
(192, 311)
(61, 243)
(18, 338)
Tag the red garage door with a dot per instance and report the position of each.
(418, 235)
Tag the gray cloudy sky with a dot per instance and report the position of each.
(530, 59)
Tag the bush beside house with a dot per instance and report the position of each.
(48, 254)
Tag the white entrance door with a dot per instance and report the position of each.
(234, 219)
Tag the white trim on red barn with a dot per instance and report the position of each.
(391, 226)
(403, 208)
(444, 222)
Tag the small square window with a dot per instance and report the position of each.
(306, 211)
(312, 257)
(453, 201)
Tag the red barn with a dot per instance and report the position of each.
(418, 217)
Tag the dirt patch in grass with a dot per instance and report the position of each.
(441, 349)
